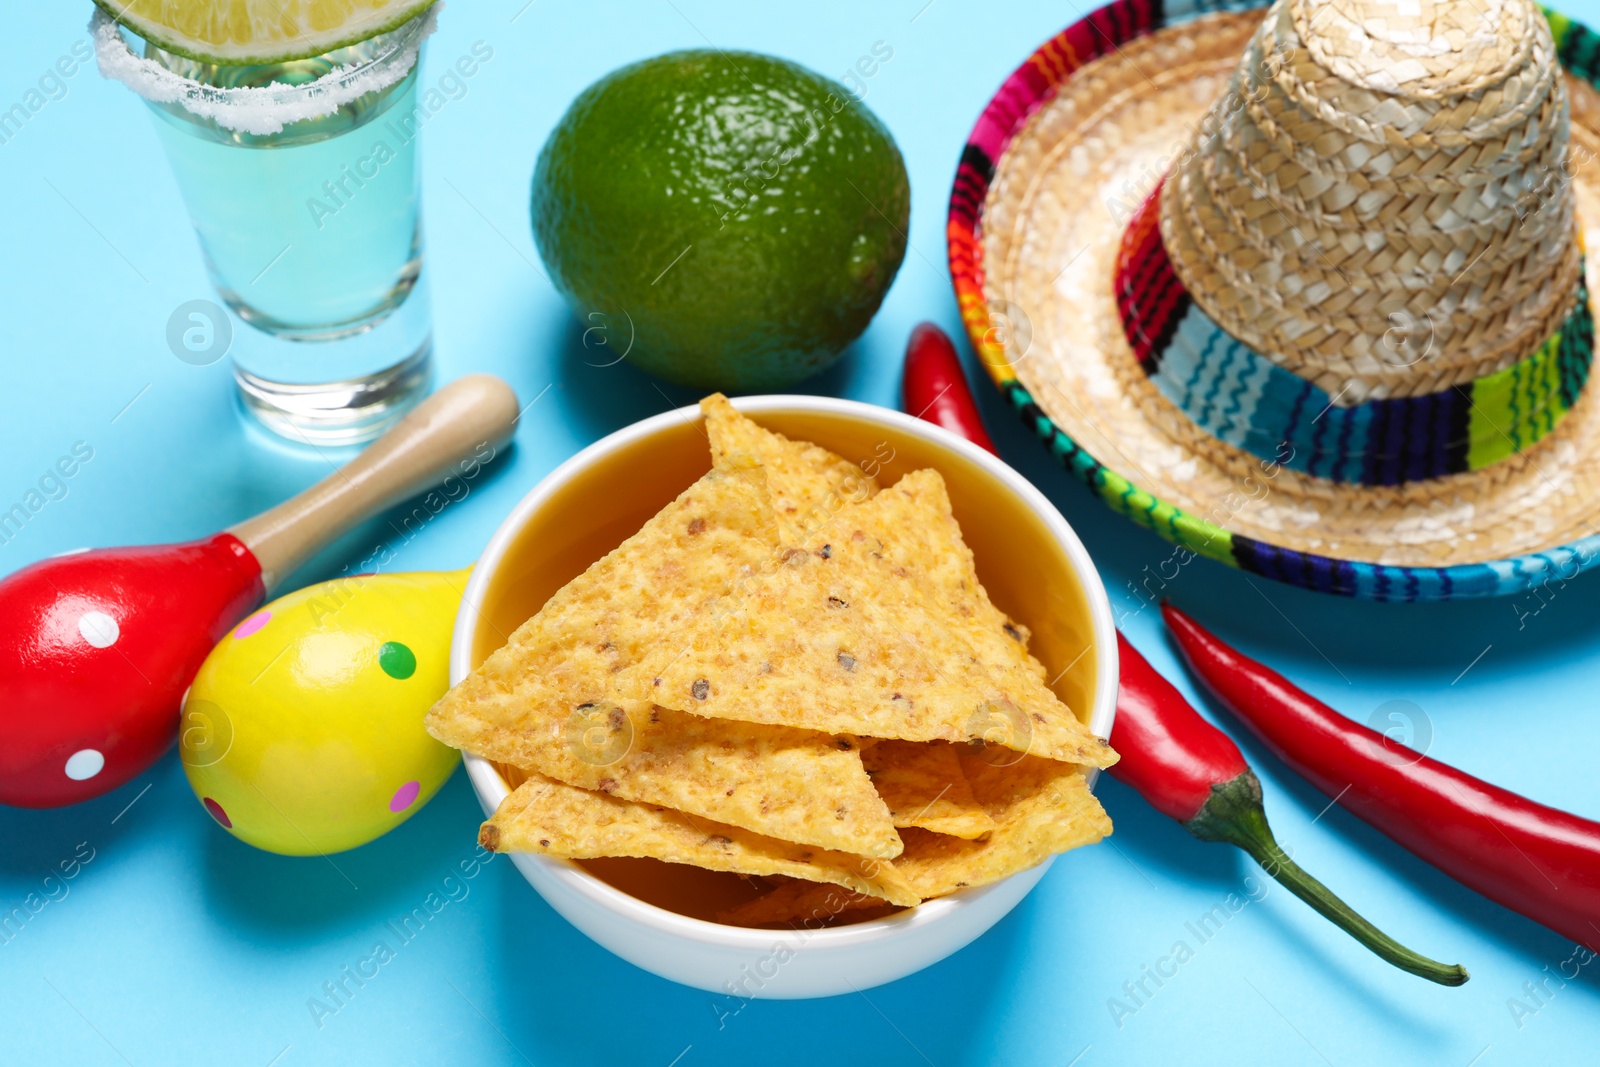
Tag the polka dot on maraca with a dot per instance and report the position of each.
(252, 624)
(216, 812)
(84, 764)
(99, 629)
(404, 797)
(397, 660)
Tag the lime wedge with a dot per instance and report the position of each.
(248, 32)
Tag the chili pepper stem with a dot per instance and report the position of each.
(1233, 814)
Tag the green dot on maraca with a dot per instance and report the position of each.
(397, 660)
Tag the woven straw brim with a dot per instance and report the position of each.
(1051, 223)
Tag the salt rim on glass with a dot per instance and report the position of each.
(258, 110)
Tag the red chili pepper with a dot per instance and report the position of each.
(935, 387)
(1536, 860)
(1185, 767)
(1170, 755)
(1190, 770)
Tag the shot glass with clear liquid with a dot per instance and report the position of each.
(302, 181)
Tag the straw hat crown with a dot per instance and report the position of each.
(1382, 204)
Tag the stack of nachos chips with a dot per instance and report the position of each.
(789, 674)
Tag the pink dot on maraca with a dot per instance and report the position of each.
(404, 797)
(252, 624)
(216, 812)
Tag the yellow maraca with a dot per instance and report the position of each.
(302, 734)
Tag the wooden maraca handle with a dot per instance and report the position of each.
(416, 452)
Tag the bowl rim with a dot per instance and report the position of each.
(491, 789)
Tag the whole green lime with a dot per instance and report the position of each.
(727, 220)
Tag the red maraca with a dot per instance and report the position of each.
(97, 647)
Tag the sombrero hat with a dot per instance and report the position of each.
(1303, 289)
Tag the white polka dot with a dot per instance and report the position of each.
(85, 763)
(99, 629)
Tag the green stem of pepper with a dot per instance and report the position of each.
(1234, 814)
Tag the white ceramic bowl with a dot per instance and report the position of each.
(1032, 563)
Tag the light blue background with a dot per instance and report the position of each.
(178, 944)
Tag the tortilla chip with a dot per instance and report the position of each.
(545, 701)
(555, 819)
(928, 543)
(807, 484)
(924, 786)
(922, 540)
(803, 478)
(1040, 807)
(836, 640)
